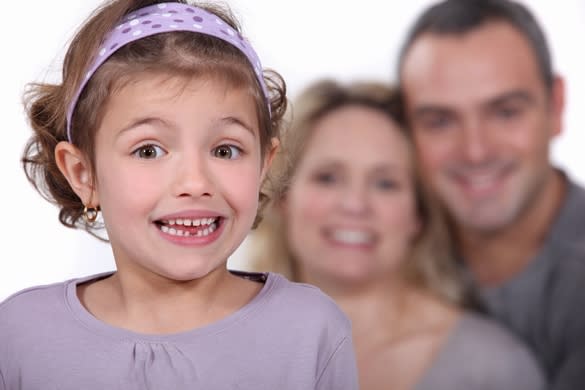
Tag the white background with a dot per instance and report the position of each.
(302, 39)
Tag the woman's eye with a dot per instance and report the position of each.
(325, 178)
(149, 151)
(227, 152)
(386, 184)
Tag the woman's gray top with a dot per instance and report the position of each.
(481, 355)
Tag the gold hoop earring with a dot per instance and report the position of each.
(90, 214)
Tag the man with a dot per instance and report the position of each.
(484, 105)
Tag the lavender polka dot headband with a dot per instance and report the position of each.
(160, 18)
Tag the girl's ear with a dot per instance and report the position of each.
(269, 158)
(74, 166)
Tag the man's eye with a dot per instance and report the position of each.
(149, 151)
(507, 112)
(437, 122)
(227, 152)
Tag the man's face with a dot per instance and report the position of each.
(482, 120)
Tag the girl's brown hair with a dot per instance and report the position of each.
(183, 54)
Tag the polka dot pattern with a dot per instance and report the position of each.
(165, 17)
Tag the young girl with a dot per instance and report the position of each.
(351, 217)
(165, 124)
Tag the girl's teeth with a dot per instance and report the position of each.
(207, 231)
(191, 222)
(209, 222)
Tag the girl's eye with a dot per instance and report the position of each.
(227, 152)
(149, 152)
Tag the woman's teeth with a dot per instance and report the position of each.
(352, 237)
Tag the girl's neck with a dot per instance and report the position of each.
(155, 305)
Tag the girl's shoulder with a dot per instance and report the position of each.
(31, 298)
(285, 300)
(28, 315)
(34, 306)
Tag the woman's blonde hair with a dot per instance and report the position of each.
(431, 265)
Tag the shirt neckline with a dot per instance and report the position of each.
(97, 326)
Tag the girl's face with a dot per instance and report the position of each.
(350, 212)
(178, 169)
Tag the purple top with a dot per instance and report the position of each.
(290, 336)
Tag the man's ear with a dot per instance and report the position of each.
(76, 168)
(557, 105)
(269, 157)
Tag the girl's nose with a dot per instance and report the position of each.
(193, 178)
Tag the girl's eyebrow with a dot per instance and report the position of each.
(139, 122)
(239, 122)
(229, 120)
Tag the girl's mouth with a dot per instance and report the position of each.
(187, 227)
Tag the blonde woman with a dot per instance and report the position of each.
(350, 216)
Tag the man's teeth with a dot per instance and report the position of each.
(480, 182)
(352, 237)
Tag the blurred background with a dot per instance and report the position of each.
(303, 39)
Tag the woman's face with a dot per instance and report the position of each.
(351, 212)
